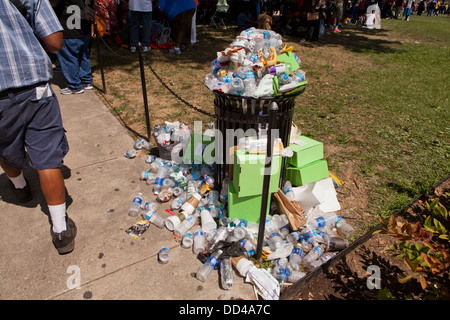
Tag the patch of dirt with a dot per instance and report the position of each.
(348, 278)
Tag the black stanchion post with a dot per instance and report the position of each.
(273, 109)
(99, 55)
(144, 90)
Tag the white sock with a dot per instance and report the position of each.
(58, 216)
(19, 181)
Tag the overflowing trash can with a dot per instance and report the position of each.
(239, 112)
(246, 78)
(222, 218)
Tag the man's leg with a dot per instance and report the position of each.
(18, 183)
(12, 173)
(53, 188)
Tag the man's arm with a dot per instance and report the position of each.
(53, 42)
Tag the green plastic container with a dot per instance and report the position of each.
(247, 208)
(310, 172)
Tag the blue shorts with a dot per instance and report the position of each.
(30, 123)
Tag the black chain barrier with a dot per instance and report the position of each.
(259, 119)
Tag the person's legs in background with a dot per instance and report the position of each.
(69, 59)
(85, 71)
(146, 20)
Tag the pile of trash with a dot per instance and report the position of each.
(256, 64)
(198, 217)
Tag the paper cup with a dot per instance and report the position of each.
(208, 223)
(172, 222)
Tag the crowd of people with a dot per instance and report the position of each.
(130, 21)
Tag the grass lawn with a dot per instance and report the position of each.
(379, 100)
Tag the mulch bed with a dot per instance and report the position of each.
(345, 277)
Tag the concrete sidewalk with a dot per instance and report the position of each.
(108, 262)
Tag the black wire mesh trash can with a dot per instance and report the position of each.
(240, 112)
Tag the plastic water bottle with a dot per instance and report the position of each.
(199, 241)
(237, 87)
(332, 219)
(284, 231)
(237, 234)
(224, 191)
(188, 240)
(281, 263)
(149, 210)
(157, 219)
(284, 78)
(162, 173)
(275, 241)
(288, 191)
(177, 191)
(210, 264)
(343, 226)
(184, 227)
(146, 174)
(286, 275)
(295, 258)
(276, 223)
(178, 202)
(135, 205)
(193, 176)
(313, 255)
(220, 235)
(248, 246)
(163, 255)
(191, 187)
(169, 183)
(214, 210)
(226, 274)
(293, 236)
(207, 185)
(249, 83)
(324, 258)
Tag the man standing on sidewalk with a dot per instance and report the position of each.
(30, 118)
(77, 18)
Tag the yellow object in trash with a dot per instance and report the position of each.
(338, 181)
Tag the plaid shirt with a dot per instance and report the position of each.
(23, 61)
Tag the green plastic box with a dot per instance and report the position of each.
(311, 172)
(248, 173)
(306, 150)
(247, 208)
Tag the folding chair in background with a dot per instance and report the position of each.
(220, 13)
